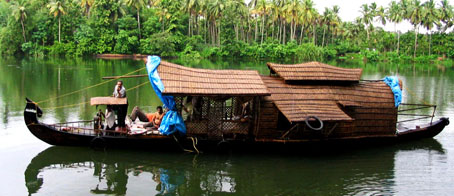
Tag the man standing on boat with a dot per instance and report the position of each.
(120, 92)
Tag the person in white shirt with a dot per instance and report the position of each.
(120, 92)
(110, 118)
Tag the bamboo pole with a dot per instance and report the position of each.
(128, 76)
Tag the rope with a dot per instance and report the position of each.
(194, 145)
(413, 94)
(88, 87)
(86, 102)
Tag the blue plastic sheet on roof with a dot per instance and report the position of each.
(172, 122)
(393, 82)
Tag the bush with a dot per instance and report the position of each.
(62, 49)
(370, 55)
(162, 44)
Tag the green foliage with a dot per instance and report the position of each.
(212, 28)
(370, 55)
(160, 44)
(127, 40)
(84, 37)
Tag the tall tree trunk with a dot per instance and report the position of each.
(314, 28)
(291, 31)
(323, 39)
(416, 41)
(59, 27)
(398, 42)
(294, 30)
(263, 29)
(301, 34)
(272, 30)
(23, 28)
(138, 22)
(189, 25)
(283, 34)
(235, 27)
(219, 32)
(256, 29)
(430, 43)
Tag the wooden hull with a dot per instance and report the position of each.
(53, 136)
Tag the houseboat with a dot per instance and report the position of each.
(292, 107)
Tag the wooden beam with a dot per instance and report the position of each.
(129, 76)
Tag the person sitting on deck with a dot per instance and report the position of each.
(110, 118)
(153, 119)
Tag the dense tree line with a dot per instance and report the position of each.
(206, 28)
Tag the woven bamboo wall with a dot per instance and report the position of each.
(268, 119)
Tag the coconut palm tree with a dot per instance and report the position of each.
(262, 8)
(446, 14)
(252, 4)
(325, 20)
(19, 12)
(292, 9)
(118, 10)
(395, 15)
(138, 5)
(430, 17)
(163, 15)
(191, 6)
(57, 9)
(366, 18)
(239, 11)
(87, 4)
(307, 15)
(216, 9)
(415, 17)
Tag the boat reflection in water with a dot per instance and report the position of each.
(76, 171)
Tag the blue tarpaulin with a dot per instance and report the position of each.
(393, 82)
(172, 121)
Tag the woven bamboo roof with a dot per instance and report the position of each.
(180, 80)
(297, 102)
(315, 71)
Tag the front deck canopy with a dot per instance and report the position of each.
(183, 81)
(107, 101)
(315, 71)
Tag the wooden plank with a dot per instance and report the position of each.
(108, 101)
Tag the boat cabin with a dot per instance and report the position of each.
(223, 103)
(302, 101)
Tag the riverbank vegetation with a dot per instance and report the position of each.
(223, 28)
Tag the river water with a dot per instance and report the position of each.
(30, 166)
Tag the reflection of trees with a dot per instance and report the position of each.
(37, 78)
(361, 171)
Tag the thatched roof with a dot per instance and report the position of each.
(180, 80)
(297, 102)
(107, 101)
(315, 71)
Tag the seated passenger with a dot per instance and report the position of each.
(153, 119)
(158, 116)
(143, 117)
(110, 118)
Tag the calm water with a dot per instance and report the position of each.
(29, 166)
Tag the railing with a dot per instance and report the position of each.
(415, 107)
(84, 127)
